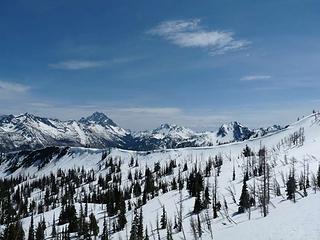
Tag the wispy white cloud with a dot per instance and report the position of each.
(76, 64)
(149, 110)
(12, 87)
(190, 33)
(10, 90)
(255, 77)
(85, 64)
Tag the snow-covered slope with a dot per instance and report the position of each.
(285, 219)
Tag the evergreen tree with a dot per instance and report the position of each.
(13, 231)
(81, 221)
(215, 202)
(233, 174)
(291, 187)
(163, 219)
(69, 215)
(53, 230)
(207, 199)
(136, 189)
(19, 231)
(247, 152)
(318, 177)
(169, 232)
(31, 230)
(185, 167)
(86, 209)
(93, 226)
(140, 226)
(40, 230)
(105, 231)
(197, 205)
(244, 202)
(134, 225)
(122, 220)
(86, 231)
(199, 226)
(146, 236)
(174, 184)
(195, 183)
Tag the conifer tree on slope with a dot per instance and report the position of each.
(291, 187)
(40, 234)
(53, 231)
(93, 226)
(13, 231)
(291, 183)
(105, 231)
(244, 202)
(134, 225)
(163, 219)
(318, 177)
(140, 226)
(122, 220)
(31, 230)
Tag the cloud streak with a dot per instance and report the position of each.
(255, 77)
(191, 34)
(11, 90)
(77, 64)
(11, 87)
(86, 64)
(151, 111)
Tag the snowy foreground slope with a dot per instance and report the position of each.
(285, 219)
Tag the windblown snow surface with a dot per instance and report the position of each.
(286, 220)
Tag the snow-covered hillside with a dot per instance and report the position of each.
(298, 144)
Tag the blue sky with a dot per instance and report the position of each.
(194, 63)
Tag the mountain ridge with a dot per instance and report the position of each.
(28, 132)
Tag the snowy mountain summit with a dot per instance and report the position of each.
(234, 131)
(174, 131)
(98, 118)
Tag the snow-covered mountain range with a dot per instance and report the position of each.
(26, 132)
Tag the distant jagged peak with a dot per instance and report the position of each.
(231, 126)
(6, 118)
(18, 118)
(172, 130)
(235, 131)
(171, 127)
(98, 118)
(26, 115)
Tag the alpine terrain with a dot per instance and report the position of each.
(235, 183)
